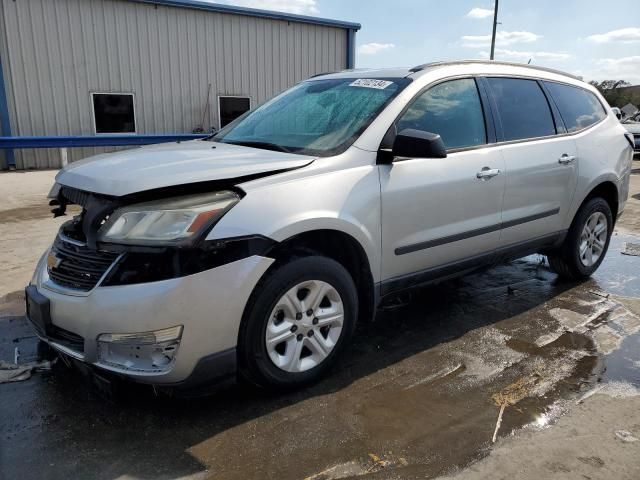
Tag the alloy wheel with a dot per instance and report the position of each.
(304, 326)
(593, 239)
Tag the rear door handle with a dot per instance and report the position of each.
(487, 173)
(566, 159)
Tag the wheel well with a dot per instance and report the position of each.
(342, 248)
(609, 192)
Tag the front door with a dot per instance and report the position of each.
(440, 211)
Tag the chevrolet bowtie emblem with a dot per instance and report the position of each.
(53, 261)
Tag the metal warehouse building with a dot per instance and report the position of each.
(94, 74)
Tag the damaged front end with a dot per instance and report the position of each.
(152, 248)
(85, 254)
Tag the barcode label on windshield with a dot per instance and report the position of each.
(370, 83)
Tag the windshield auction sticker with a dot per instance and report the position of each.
(370, 83)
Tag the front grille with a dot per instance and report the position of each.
(77, 266)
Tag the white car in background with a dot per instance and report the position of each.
(632, 124)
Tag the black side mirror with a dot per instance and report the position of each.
(412, 143)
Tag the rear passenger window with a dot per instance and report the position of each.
(578, 107)
(451, 109)
(523, 108)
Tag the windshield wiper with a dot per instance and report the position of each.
(264, 145)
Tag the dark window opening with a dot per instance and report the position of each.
(578, 108)
(523, 108)
(231, 108)
(114, 113)
(451, 109)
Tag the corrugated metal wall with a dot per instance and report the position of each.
(56, 52)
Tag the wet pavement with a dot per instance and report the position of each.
(416, 396)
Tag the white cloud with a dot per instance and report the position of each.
(504, 54)
(300, 7)
(503, 39)
(622, 35)
(624, 68)
(480, 13)
(373, 48)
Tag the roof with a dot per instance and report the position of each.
(253, 12)
(432, 65)
(428, 67)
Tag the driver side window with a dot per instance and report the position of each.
(451, 109)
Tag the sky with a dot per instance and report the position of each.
(594, 39)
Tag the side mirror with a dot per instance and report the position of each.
(617, 112)
(418, 144)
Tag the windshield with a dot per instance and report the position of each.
(318, 117)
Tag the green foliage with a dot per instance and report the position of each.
(617, 93)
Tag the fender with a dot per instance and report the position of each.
(584, 192)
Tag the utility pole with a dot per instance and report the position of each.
(495, 23)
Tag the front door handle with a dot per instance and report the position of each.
(487, 173)
(566, 159)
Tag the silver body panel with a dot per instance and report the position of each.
(411, 216)
(209, 305)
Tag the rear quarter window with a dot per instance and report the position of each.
(578, 107)
(523, 108)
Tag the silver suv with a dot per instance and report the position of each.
(257, 250)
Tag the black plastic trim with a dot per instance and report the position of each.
(473, 233)
(460, 267)
(147, 264)
(211, 370)
(530, 218)
(443, 240)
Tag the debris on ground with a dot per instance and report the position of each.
(625, 436)
(512, 394)
(378, 463)
(13, 372)
(629, 248)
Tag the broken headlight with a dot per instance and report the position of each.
(145, 352)
(167, 222)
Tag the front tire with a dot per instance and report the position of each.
(297, 321)
(586, 243)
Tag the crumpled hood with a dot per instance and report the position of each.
(166, 165)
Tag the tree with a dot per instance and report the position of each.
(612, 92)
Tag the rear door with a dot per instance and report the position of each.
(439, 211)
(541, 164)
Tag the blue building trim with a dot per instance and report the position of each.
(253, 12)
(5, 121)
(351, 48)
(93, 141)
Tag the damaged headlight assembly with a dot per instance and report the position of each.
(145, 352)
(167, 222)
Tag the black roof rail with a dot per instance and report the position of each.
(425, 66)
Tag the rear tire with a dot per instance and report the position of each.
(297, 322)
(587, 241)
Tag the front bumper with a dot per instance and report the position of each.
(209, 305)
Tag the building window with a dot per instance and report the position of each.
(230, 108)
(114, 112)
